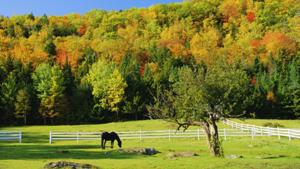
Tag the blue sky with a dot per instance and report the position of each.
(62, 7)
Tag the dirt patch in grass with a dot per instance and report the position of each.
(143, 151)
(66, 164)
(181, 154)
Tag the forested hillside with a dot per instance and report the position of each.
(110, 65)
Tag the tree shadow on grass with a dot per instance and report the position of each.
(31, 137)
(62, 152)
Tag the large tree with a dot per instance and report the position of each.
(202, 96)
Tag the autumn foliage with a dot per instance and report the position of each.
(147, 47)
(276, 41)
(251, 16)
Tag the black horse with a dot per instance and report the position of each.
(110, 137)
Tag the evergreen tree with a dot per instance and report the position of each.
(50, 48)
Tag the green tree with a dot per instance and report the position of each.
(9, 88)
(50, 48)
(23, 105)
(69, 84)
(136, 97)
(202, 97)
(48, 82)
(107, 84)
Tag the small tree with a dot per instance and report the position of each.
(22, 105)
(202, 97)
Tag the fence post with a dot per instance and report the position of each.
(77, 137)
(140, 134)
(225, 138)
(20, 136)
(198, 134)
(50, 137)
(289, 135)
(252, 133)
(278, 133)
(169, 134)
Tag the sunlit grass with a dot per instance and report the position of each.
(35, 152)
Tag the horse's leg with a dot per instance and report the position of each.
(112, 143)
(102, 145)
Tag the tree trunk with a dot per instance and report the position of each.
(25, 120)
(117, 115)
(211, 130)
(205, 126)
(136, 115)
(216, 147)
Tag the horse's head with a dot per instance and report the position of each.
(116, 136)
(120, 143)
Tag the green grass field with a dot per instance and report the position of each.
(35, 152)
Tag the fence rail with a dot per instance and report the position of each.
(265, 131)
(237, 130)
(148, 134)
(11, 136)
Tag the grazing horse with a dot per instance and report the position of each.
(110, 137)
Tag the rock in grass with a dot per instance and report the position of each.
(181, 154)
(144, 151)
(233, 156)
(71, 165)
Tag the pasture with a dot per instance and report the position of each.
(35, 151)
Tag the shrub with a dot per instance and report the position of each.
(275, 125)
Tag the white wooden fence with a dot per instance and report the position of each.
(265, 131)
(237, 130)
(11, 135)
(153, 134)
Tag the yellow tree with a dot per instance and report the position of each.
(204, 45)
(70, 49)
(112, 49)
(176, 37)
(30, 50)
(4, 46)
